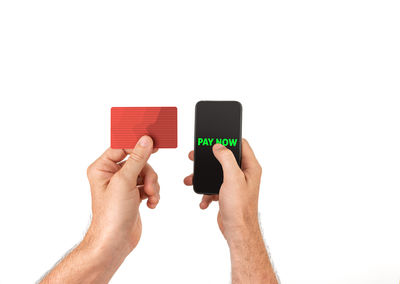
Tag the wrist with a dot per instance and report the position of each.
(243, 235)
(105, 246)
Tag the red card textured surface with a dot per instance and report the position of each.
(128, 124)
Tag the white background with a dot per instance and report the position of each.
(319, 82)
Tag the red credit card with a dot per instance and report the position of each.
(128, 124)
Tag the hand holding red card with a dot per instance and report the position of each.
(128, 124)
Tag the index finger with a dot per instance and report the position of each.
(114, 155)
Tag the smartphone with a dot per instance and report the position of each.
(215, 122)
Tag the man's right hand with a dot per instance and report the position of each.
(238, 197)
(238, 214)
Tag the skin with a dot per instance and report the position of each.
(238, 215)
(117, 190)
(119, 186)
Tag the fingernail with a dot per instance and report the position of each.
(218, 146)
(144, 141)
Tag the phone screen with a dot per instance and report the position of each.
(215, 122)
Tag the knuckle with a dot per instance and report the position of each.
(226, 153)
(155, 177)
(89, 171)
(259, 170)
(136, 156)
(152, 177)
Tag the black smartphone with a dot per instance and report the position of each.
(215, 122)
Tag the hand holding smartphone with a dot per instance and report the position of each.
(215, 122)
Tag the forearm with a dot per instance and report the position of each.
(249, 258)
(92, 261)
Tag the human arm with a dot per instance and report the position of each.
(117, 189)
(238, 215)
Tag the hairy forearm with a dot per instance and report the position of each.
(250, 260)
(92, 261)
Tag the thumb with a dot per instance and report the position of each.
(228, 162)
(137, 159)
